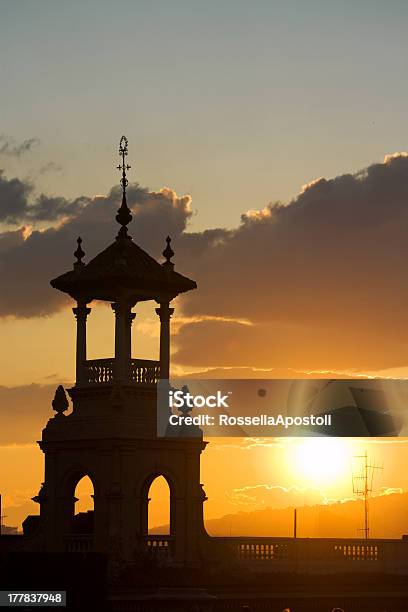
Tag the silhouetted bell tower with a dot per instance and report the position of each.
(110, 435)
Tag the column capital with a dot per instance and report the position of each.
(117, 307)
(121, 306)
(164, 311)
(132, 317)
(81, 311)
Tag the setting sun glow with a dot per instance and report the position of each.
(322, 461)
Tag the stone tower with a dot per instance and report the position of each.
(110, 435)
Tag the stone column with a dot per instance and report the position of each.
(81, 312)
(131, 318)
(164, 313)
(123, 322)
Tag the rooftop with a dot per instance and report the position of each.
(123, 270)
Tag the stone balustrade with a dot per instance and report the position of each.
(102, 371)
(320, 555)
(289, 555)
(160, 546)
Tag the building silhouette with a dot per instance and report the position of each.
(110, 435)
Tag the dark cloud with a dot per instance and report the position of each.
(8, 240)
(53, 208)
(14, 195)
(323, 279)
(26, 266)
(18, 206)
(10, 148)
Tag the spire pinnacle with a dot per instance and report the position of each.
(124, 215)
(79, 254)
(168, 253)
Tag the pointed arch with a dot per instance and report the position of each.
(78, 489)
(73, 475)
(84, 495)
(165, 495)
(158, 514)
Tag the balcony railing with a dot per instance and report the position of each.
(268, 549)
(319, 555)
(298, 555)
(144, 371)
(99, 371)
(159, 546)
(102, 371)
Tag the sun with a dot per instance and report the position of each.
(321, 461)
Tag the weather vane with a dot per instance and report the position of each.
(124, 215)
(123, 151)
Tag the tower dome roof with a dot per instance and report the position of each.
(123, 270)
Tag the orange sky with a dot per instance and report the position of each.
(239, 475)
(313, 277)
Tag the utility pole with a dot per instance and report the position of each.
(295, 523)
(363, 487)
(2, 516)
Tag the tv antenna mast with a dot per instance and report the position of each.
(363, 487)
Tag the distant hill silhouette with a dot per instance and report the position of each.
(388, 519)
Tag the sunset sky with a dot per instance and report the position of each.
(268, 139)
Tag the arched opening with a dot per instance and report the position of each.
(83, 519)
(159, 507)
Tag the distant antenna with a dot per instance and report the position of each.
(363, 487)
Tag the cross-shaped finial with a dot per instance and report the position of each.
(124, 215)
(123, 151)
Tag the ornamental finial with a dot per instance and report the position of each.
(168, 253)
(79, 254)
(60, 403)
(124, 215)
